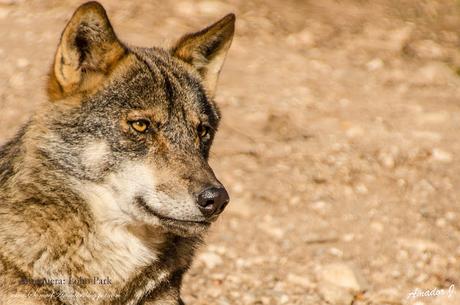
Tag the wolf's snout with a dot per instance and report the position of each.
(212, 201)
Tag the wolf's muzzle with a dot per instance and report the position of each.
(212, 201)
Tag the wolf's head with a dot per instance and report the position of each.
(132, 127)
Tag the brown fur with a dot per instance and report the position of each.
(85, 195)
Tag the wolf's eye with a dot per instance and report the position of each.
(203, 131)
(140, 125)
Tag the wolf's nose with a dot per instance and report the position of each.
(212, 201)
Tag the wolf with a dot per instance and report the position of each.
(107, 192)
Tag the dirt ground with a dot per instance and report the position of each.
(339, 145)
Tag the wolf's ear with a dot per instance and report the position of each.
(206, 49)
(87, 51)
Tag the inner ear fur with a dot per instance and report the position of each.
(88, 50)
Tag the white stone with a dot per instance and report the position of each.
(441, 222)
(450, 215)
(319, 205)
(335, 295)
(22, 62)
(377, 226)
(302, 281)
(374, 64)
(420, 245)
(387, 160)
(361, 189)
(4, 12)
(284, 299)
(355, 131)
(336, 252)
(441, 155)
(210, 259)
(274, 231)
(303, 38)
(342, 275)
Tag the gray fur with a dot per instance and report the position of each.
(84, 195)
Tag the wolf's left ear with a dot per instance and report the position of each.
(206, 50)
(87, 51)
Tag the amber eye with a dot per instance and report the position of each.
(203, 131)
(140, 125)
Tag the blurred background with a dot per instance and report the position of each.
(339, 145)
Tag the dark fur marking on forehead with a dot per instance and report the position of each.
(161, 74)
(169, 89)
(146, 64)
(193, 86)
(170, 92)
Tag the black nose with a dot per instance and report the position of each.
(212, 201)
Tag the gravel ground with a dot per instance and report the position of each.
(339, 145)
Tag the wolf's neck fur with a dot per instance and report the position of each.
(48, 231)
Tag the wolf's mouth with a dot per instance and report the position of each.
(169, 220)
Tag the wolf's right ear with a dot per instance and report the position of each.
(87, 51)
